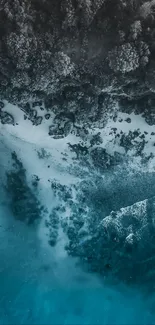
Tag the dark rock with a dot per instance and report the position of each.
(61, 126)
(101, 159)
(26, 108)
(150, 119)
(36, 104)
(129, 141)
(119, 241)
(61, 191)
(33, 114)
(114, 129)
(128, 120)
(80, 150)
(1, 105)
(6, 118)
(38, 120)
(136, 133)
(24, 204)
(35, 180)
(53, 226)
(96, 140)
(47, 116)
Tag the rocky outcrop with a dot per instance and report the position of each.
(122, 244)
(124, 241)
(6, 118)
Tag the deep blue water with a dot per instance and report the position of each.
(36, 287)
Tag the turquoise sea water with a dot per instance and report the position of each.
(38, 288)
(38, 285)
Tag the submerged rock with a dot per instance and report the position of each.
(101, 159)
(1, 105)
(38, 120)
(23, 202)
(61, 126)
(122, 245)
(6, 118)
